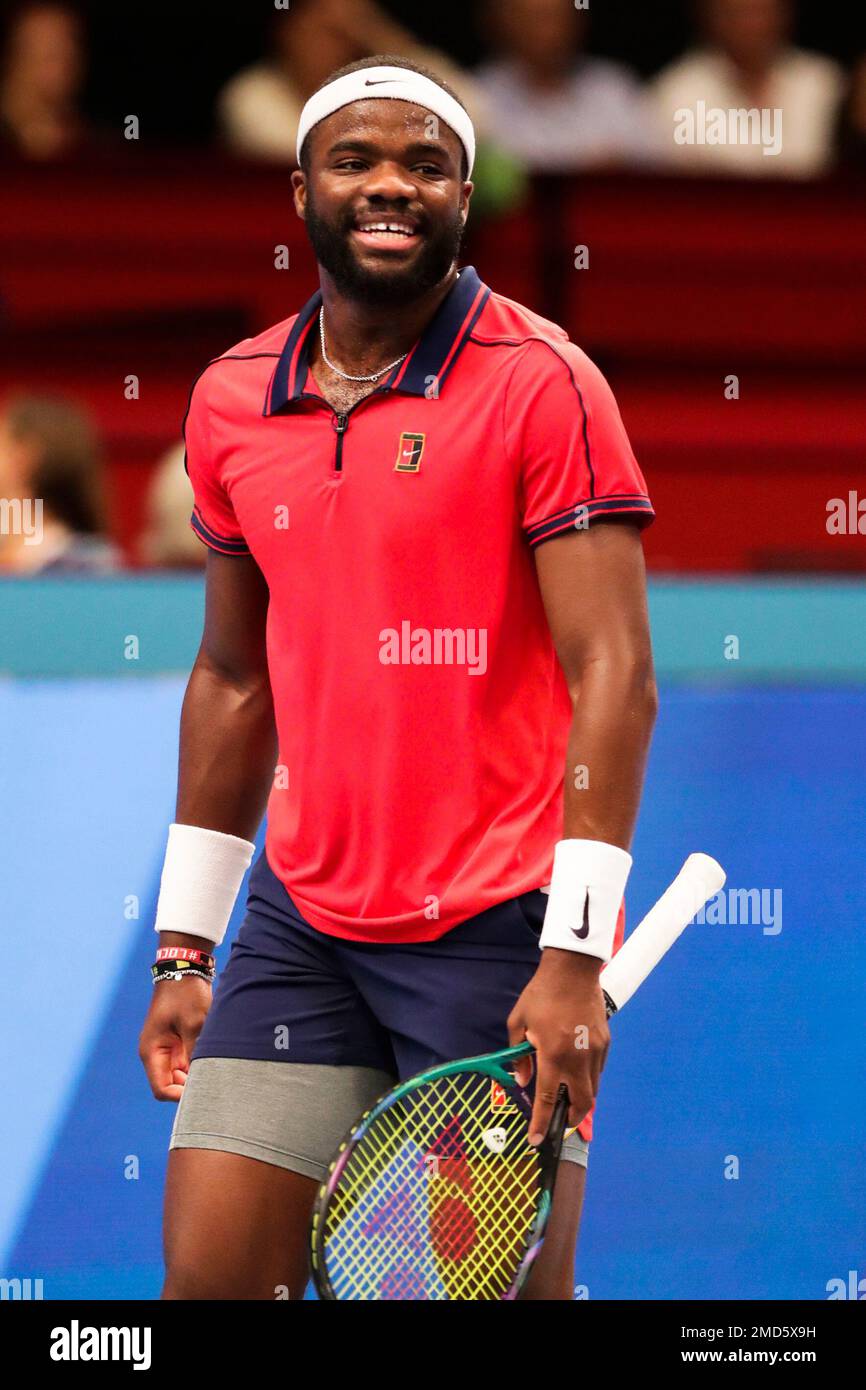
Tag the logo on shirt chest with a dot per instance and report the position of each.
(409, 452)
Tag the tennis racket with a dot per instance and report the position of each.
(436, 1192)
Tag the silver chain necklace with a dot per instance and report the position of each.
(374, 376)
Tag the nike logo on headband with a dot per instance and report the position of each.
(380, 81)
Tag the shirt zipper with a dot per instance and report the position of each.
(340, 424)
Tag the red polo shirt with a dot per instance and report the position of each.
(421, 710)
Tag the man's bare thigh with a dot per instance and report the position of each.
(235, 1228)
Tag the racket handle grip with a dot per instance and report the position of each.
(700, 878)
(556, 1128)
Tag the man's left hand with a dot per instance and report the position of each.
(562, 1013)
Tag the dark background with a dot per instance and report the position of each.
(166, 62)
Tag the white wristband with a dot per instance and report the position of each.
(201, 875)
(586, 889)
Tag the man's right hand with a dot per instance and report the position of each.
(174, 1020)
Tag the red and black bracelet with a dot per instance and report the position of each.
(188, 953)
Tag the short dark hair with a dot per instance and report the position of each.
(388, 60)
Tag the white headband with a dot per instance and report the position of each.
(401, 84)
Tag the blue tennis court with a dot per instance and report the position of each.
(728, 1157)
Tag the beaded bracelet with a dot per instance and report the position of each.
(179, 970)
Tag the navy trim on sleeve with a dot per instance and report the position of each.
(224, 544)
(632, 507)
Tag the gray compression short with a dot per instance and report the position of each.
(290, 1114)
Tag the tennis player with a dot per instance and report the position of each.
(426, 651)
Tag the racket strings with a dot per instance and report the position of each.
(453, 1229)
(437, 1199)
(395, 1273)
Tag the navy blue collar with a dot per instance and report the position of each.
(423, 372)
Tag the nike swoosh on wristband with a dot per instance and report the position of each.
(582, 932)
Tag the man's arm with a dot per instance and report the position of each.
(226, 767)
(227, 736)
(593, 586)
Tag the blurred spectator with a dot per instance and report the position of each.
(169, 541)
(746, 62)
(852, 121)
(41, 79)
(549, 103)
(51, 490)
(260, 107)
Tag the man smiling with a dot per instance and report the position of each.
(409, 453)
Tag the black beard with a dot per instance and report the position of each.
(333, 251)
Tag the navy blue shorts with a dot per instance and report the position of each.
(291, 993)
